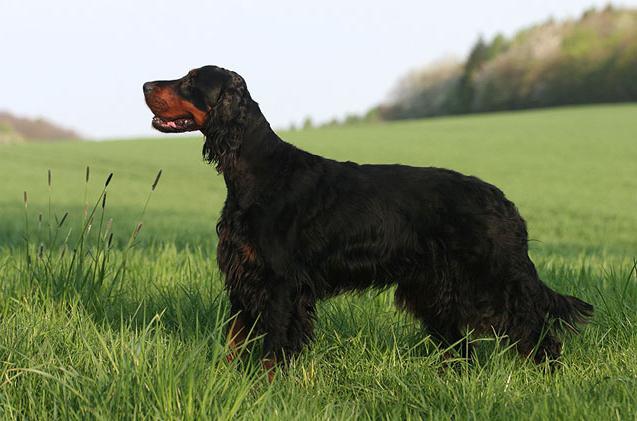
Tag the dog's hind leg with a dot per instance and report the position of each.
(533, 339)
(529, 319)
(441, 324)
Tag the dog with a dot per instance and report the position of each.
(297, 228)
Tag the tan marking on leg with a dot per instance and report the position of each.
(236, 337)
(269, 364)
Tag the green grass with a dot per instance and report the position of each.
(148, 341)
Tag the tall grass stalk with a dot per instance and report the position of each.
(119, 277)
(89, 271)
(50, 193)
(26, 227)
(86, 179)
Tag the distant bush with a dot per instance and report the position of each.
(589, 60)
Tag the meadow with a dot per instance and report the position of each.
(131, 325)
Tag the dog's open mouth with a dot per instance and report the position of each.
(177, 125)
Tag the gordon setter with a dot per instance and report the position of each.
(297, 228)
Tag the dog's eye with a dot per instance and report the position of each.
(186, 86)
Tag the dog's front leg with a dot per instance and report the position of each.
(238, 329)
(275, 320)
(301, 330)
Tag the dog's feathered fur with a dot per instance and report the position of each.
(297, 228)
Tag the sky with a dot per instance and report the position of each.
(82, 64)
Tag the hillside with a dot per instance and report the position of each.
(589, 60)
(15, 129)
(8, 135)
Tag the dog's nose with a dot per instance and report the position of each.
(148, 87)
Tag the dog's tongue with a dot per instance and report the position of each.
(171, 124)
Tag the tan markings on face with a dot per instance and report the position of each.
(167, 104)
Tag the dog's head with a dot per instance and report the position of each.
(186, 104)
(211, 99)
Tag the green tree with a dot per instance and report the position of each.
(479, 54)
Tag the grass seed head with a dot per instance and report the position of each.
(66, 214)
(108, 180)
(138, 228)
(156, 180)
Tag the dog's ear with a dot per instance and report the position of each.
(226, 125)
(212, 96)
(231, 106)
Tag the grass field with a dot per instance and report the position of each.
(137, 329)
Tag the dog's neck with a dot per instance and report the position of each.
(253, 160)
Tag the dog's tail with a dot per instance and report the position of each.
(568, 311)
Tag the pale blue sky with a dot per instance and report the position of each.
(82, 63)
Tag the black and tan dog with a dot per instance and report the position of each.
(297, 228)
